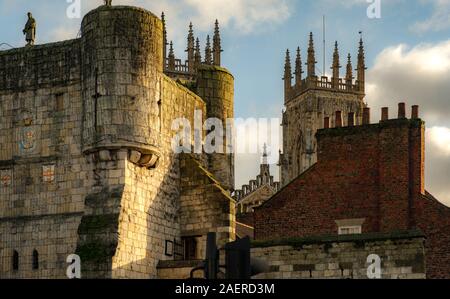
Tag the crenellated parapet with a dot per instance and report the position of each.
(337, 83)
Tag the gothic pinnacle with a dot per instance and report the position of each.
(191, 48)
(198, 53)
(336, 66)
(265, 155)
(171, 57)
(349, 67)
(311, 57)
(287, 74)
(336, 62)
(349, 75)
(208, 58)
(287, 67)
(298, 68)
(361, 55)
(191, 38)
(361, 69)
(217, 48)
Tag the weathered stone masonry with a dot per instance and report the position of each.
(86, 162)
(343, 257)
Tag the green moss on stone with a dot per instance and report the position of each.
(360, 240)
(95, 223)
(96, 252)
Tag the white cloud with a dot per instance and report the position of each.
(419, 75)
(246, 16)
(438, 163)
(439, 20)
(439, 137)
(242, 16)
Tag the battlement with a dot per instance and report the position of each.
(345, 84)
(323, 83)
(55, 64)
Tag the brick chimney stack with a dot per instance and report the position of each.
(415, 112)
(401, 110)
(366, 116)
(384, 113)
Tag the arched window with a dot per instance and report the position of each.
(15, 260)
(35, 260)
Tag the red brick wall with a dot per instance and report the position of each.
(363, 172)
(374, 172)
(433, 218)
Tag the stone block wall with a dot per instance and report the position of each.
(111, 193)
(345, 258)
(205, 206)
(44, 176)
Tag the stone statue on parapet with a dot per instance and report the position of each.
(30, 30)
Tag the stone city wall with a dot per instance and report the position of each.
(345, 257)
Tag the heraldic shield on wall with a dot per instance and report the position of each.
(28, 134)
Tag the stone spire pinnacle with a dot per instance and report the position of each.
(349, 74)
(311, 57)
(217, 48)
(265, 167)
(287, 74)
(171, 64)
(361, 69)
(336, 66)
(191, 48)
(165, 43)
(298, 68)
(265, 155)
(208, 57)
(198, 54)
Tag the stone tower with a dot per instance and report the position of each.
(87, 165)
(215, 85)
(312, 99)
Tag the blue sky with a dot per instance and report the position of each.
(408, 53)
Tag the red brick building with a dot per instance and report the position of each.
(368, 179)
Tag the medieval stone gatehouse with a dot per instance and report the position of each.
(86, 158)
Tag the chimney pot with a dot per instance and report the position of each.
(415, 112)
(384, 113)
(366, 116)
(326, 123)
(338, 119)
(351, 119)
(401, 110)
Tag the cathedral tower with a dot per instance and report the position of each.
(312, 99)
